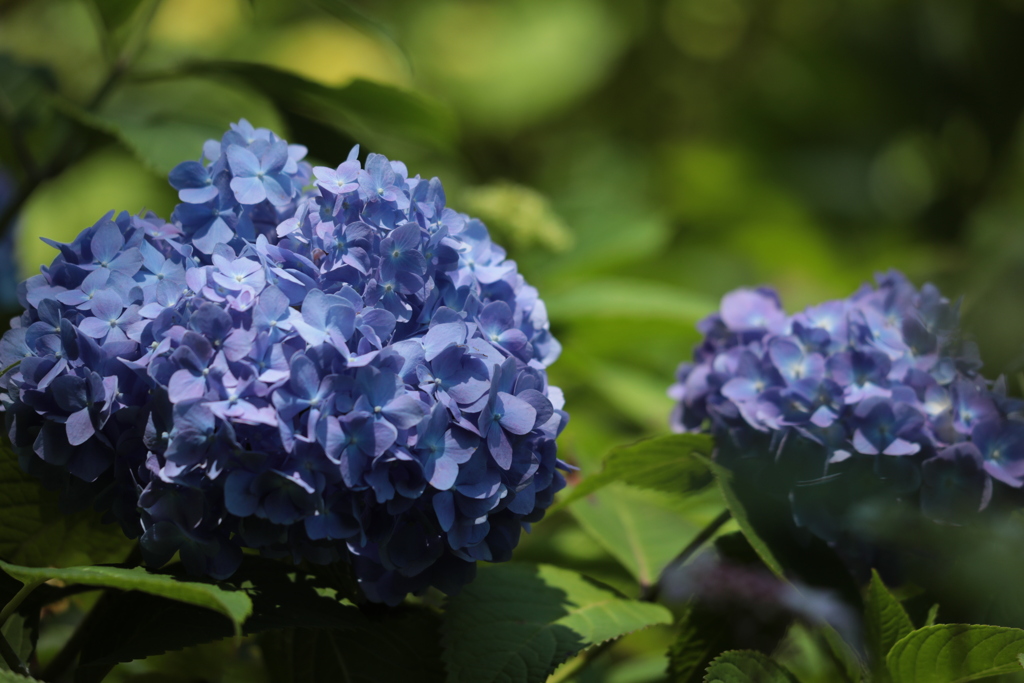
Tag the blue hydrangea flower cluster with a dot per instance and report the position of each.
(318, 363)
(876, 387)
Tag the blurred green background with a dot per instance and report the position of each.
(639, 158)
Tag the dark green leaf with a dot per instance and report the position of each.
(396, 645)
(142, 625)
(518, 622)
(36, 532)
(700, 636)
(19, 634)
(676, 464)
(739, 514)
(235, 605)
(166, 122)
(885, 622)
(746, 666)
(351, 14)
(954, 653)
(115, 13)
(11, 677)
(373, 113)
(21, 86)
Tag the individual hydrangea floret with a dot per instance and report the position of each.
(875, 388)
(320, 364)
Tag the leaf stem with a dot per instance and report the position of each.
(651, 593)
(16, 601)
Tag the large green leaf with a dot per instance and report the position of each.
(739, 513)
(36, 532)
(645, 530)
(235, 605)
(517, 622)
(11, 677)
(885, 622)
(954, 653)
(746, 666)
(372, 113)
(675, 464)
(166, 122)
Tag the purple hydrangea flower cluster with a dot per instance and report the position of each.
(318, 363)
(876, 387)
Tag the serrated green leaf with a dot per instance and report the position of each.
(955, 653)
(235, 605)
(746, 666)
(739, 513)
(166, 122)
(675, 464)
(619, 298)
(699, 636)
(372, 113)
(518, 622)
(885, 622)
(645, 530)
(34, 530)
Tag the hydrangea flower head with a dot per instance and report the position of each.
(876, 387)
(317, 363)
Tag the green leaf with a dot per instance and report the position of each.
(36, 532)
(115, 13)
(394, 645)
(143, 625)
(619, 298)
(645, 530)
(746, 666)
(166, 122)
(7, 676)
(700, 636)
(885, 622)
(518, 622)
(739, 513)
(373, 113)
(953, 653)
(674, 464)
(18, 632)
(235, 605)
(933, 615)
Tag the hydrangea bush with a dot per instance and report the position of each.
(317, 363)
(873, 396)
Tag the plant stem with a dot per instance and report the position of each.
(16, 601)
(11, 657)
(651, 593)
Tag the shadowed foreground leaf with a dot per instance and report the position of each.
(518, 622)
(746, 666)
